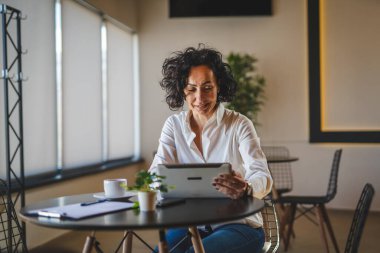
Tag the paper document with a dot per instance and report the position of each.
(78, 211)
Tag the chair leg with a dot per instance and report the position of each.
(283, 213)
(293, 208)
(329, 228)
(321, 223)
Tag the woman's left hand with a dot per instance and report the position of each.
(232, 185)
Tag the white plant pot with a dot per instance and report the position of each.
(147, 201)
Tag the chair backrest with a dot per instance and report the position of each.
(11, 236)
(270, 226)
(281, 172)
(333, 182)
(360, 216)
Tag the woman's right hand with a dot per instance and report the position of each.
(233, 185)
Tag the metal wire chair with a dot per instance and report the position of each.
(11, 236)
(281, 172)
(314, 205)
(270, 226)
(358, 222)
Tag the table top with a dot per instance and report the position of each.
(281, 159)
(192, 212)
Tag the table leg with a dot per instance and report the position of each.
(163, 245)
(127, 244)
(196, 240)
(88, 245)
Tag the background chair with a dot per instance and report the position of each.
(270, 226)
(281, 172)
(314, 205)
(360, 216)
(12, 238)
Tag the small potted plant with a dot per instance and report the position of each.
(147, 185)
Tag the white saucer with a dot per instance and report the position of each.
(101, 195)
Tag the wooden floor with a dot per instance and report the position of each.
(307, 237)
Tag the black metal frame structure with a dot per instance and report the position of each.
(12, 79)
(317, 134)
(14, 242)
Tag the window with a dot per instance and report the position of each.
(120, 92)
(81, 85)
(80, 103)
(98, 88)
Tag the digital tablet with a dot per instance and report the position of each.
(193, 180)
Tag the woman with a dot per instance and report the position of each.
(209, 133)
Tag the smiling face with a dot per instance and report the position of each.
(201, 91)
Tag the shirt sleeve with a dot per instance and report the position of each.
(166, 152)
(255, 163)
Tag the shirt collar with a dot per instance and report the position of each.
(219, 113)
(217, 116)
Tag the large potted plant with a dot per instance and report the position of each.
(250, 96)
(147, 185)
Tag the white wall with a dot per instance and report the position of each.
(280, 44)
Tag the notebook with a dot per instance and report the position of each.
(192, 180)
(79, 211)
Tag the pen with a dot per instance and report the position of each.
(94, 202)
(51, 214)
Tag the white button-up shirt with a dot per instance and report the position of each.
(228, 137)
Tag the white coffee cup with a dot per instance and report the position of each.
(113, 188)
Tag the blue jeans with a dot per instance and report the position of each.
(229, 238)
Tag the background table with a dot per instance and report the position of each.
(278, 159)
(189, 214)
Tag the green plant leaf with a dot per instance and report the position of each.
(250, 96)
(146, 181)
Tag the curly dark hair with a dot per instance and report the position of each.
(176, 70)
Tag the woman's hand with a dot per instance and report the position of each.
(232, 185)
